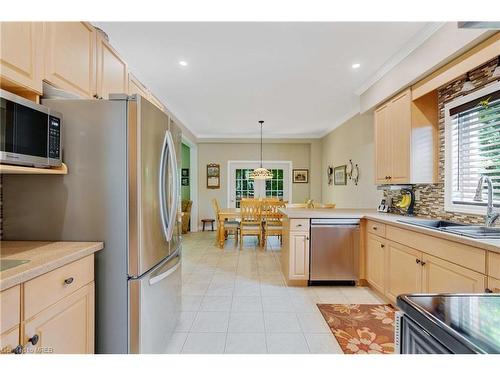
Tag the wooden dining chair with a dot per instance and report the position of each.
(273, 220)
(230, 226)
(251, 219)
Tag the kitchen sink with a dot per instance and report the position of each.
(435, 224)
(473, 231)
(6, 264)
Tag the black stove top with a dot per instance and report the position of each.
(473, 319)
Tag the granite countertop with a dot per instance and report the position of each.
(392, 219)
(43, 257)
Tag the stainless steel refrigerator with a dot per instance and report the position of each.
(122, 188)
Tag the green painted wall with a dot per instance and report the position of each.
(185, 163)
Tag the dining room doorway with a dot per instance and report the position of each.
(240, 185)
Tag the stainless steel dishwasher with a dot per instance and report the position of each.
(334, 256)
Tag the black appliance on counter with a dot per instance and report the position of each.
(448, 324)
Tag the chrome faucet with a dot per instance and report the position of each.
(491, 215)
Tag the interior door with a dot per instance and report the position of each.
(151, 185)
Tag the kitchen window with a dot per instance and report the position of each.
(472, 148)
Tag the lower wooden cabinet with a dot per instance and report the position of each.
(375, 255)
(493, 285)
(441, 276)
(394, 269)
(51, 313)
(9, 341)
(299, 256)
(403, 269)
(65, 327)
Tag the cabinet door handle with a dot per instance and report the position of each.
(423, 263)
(17, 350)
(34, 339)
(417, 261)
(488, 290)
(382, 245)
(69, 280)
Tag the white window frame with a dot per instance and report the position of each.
(449, 206)
(270, 164)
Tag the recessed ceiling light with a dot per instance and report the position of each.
(183, 63)
(356, 66)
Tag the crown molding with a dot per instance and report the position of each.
(416, 41)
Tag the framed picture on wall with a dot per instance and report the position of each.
(213, 176)
(185, 181)
(300, 176)
(185, 172)
(340, 175)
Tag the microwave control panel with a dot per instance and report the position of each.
(54, 137)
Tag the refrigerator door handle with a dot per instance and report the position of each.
(175, 188)
(168, 268)
(162, 185)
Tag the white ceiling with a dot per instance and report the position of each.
(295, 76)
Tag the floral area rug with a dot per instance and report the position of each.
(361, 329)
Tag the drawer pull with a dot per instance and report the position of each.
(382, 245)
(299, 225)
(417, 261)
(34, 339)
(17, 350)
(423, 263)
(374, 228)
(69, 280)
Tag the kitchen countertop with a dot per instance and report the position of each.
(43, 257)
(392, 219)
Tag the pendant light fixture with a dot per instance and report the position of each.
(261, 173)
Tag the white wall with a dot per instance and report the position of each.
(352, 140)
(221, 152)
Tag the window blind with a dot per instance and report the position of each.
(475, 142)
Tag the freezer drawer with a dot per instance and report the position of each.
(154, 306)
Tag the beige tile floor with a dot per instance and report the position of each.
(236, 301)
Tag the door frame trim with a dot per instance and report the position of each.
(193, 181)
(232, 162)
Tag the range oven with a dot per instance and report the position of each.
(30, 133)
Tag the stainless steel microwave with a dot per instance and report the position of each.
(30, 133)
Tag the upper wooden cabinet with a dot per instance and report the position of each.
(383, 149)
(153, 99)
(70, 57)
(136, 87)
(112, 72)
(406, 140)
(21, 62)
